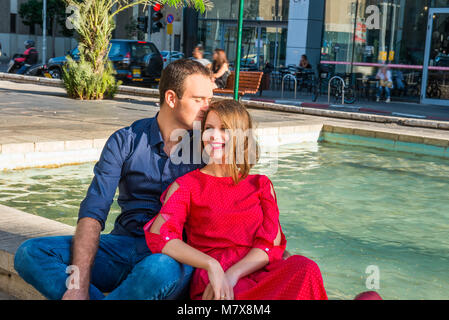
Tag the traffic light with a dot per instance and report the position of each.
(156, 18)
(142, 24)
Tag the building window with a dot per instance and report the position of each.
(12, 24)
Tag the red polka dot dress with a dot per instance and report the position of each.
(226, 221)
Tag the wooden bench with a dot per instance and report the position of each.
(249, 82)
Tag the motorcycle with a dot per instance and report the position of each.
(38, 70)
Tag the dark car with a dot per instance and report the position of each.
(442, 60)
(134, 61)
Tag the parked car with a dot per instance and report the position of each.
(134, 61)
(168, 56)
(250, 62)
(442, 60)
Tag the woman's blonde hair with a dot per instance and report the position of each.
(243, 147)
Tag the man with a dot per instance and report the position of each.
(137, 160)
(29, 57)
(198, 53)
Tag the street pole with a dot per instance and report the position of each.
(44, 32)
(149, 24)
(238, 53)
(170, 48)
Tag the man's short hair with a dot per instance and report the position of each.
(174, 75)
(200, 48)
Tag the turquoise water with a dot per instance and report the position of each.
(346, 208)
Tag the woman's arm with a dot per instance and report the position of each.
(186, 254)
(181, 251)
(221, 71)
(253, 261)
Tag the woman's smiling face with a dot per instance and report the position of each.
(215, 137)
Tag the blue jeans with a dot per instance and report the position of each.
(123, 266)
(387, 92)
(23, 69)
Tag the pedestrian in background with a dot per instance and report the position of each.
(198, 55)
(220, 68)
(304, 62)
(385, 82)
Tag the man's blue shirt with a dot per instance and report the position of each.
(134, 160)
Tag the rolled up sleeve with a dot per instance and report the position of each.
(107, 174)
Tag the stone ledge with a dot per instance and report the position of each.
(15, 227)
(385, 133)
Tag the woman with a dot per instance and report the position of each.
(304, 62)
(220, 68)
(231, 219)
(385, 82)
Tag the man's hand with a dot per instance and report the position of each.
(76, 294)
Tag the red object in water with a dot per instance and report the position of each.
(157, 7)
(368, 295)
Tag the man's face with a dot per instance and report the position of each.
(198, 92)
(196, 53)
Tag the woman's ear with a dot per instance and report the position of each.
(170, 98)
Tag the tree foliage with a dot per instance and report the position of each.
(94, 23)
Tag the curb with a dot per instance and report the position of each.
(336, 111)
(58, 83)
(315, 109)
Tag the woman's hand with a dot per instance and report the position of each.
(233, 278)
(219, 287)
(232, 281)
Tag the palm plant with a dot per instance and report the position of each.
(92, 76)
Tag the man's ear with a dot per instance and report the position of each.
(170, 98)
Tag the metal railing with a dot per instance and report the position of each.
(288, 75)
(343, 86)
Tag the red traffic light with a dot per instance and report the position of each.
(157, 7)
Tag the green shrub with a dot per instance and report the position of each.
(81, 82)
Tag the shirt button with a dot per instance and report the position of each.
(167, 238)
(266, 249)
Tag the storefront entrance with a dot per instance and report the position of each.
(435, 84)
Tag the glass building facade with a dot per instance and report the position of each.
(264, 35)
(411, 36)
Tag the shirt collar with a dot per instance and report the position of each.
(155, 133)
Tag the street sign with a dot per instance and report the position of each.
(169, 28)
(170, 18)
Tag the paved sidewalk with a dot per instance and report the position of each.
(36, 113)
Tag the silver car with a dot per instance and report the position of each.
(168, 56)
